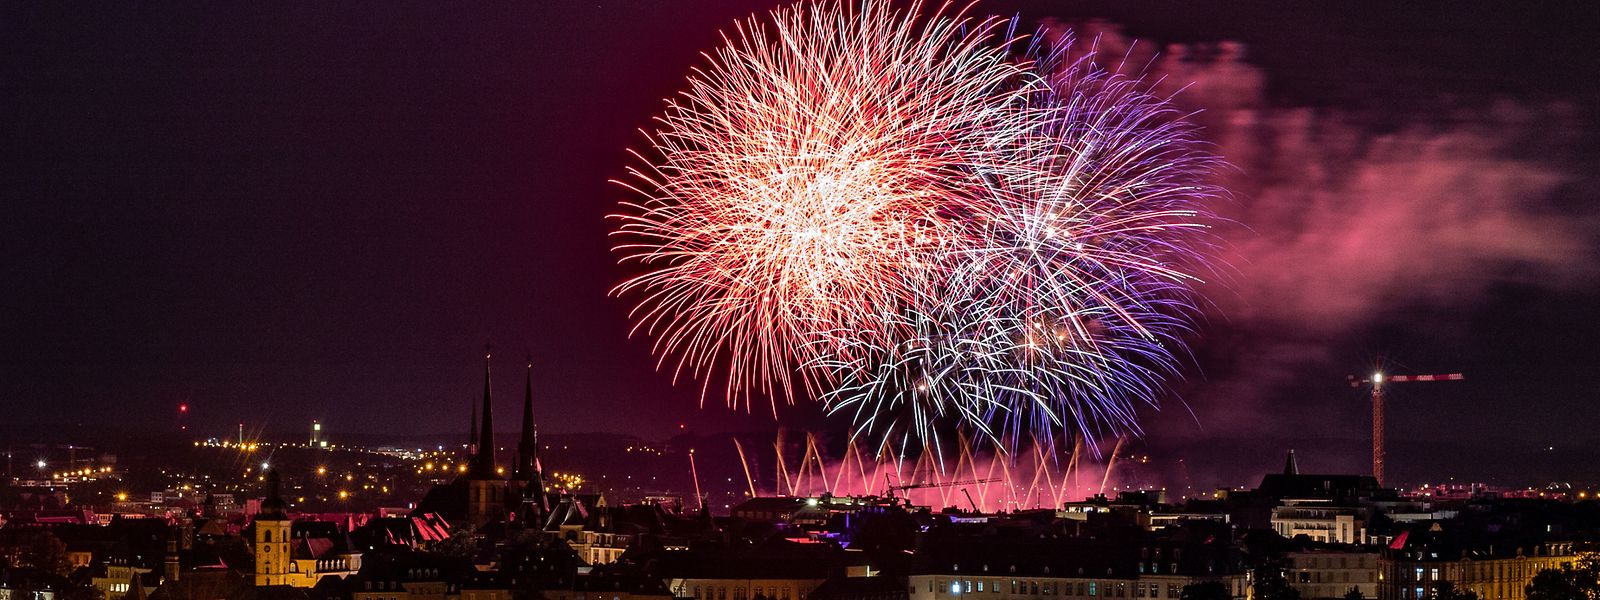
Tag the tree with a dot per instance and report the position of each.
(1206, 590)
(1446, 590)
(82, 592)
(45, 552)
(1270, 584)
(1354, 594)
(461, 544)
(1581, 582)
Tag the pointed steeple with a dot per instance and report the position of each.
(529, 471)
(528, 467)
(483, 461)
(1290, 467)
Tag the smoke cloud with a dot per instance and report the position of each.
(1343, 222)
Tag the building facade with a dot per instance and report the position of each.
(1329, 574)
(1411, 573)
(716, 588)
(1322, 520)
(987, 586)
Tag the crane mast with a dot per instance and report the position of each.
(1378, 381)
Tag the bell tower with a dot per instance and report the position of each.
(271, 543)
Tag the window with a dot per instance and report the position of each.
(980, 585)
(1094, 588)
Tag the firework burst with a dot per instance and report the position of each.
(803, 180)
(919, 222)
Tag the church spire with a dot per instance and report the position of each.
(483, 462)
(529, 473)
(528, 467)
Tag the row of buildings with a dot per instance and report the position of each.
(493, 533)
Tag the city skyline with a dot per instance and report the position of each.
(799, 300)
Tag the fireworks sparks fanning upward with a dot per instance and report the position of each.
(919, 221)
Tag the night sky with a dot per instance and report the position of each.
(326, 211)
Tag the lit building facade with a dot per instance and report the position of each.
(1411, 573)
(1322, 520)
(1326, 574)
(988, 586)
(716, 588)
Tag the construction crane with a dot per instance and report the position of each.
(1377, 381)
(937, 484)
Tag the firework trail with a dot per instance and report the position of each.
(927, 224)
(1039, 477)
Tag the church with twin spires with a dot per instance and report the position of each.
(484, 494)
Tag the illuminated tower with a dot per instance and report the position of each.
(529, 473)
(486, 489)
(271, 542)
(316, 433)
